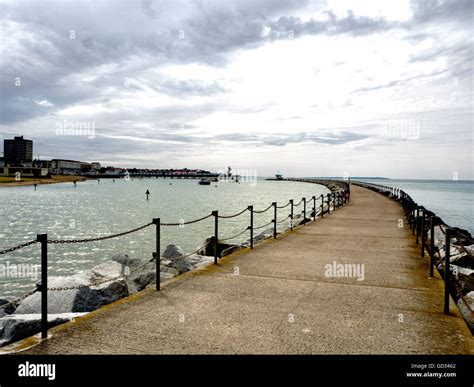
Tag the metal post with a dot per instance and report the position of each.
(251, 226)
(417, 225)
(413, 220)
(216, 234)
(304, 211)
(274, 204)
(322, 206)
(291, 214)
(314, 207)
(423, 235)
(447, 258)
(43, 239)
(432, 245)
(156, 222)
(329, 203)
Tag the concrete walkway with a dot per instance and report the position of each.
(276, 299)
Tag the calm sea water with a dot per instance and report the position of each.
(91, 209)
(452, 200)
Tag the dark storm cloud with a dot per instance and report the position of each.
(54, 45)
(425, 11)
(352, 25)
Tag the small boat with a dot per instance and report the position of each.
(205, 182)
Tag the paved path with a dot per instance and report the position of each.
(280, 301)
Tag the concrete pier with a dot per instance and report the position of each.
(278, 299)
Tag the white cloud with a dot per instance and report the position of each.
(238, 81)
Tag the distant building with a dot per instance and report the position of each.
(66, 167)
(18, 151)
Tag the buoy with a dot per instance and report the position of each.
(35, 185)
(147, 194)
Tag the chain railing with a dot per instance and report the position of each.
(423, 224)
(43, 240)
(18, 247)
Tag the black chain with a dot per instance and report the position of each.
(66, 241)
(233, 216)
(16, 301)
(265, 225)
(18, 247)
(284, 205)
(262, 211)
(281, 221)
(184, 223)
(235, 236)
(296, 205)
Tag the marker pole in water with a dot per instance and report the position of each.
(147, 193)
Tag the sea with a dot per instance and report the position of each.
(452, 200)
(94, 209)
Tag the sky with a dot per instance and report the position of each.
(308, 88)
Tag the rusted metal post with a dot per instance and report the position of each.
(304, 211)
(156, 222)
(291, 214)
(251, 226)
(322, 205)
(447, 262)
(43, 239)
(216, 234)
(423, 235)
(274, 204)
(432, 246)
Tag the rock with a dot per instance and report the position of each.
(466, 276)
(19, 326)
(125, 260)
(172, 252)
(304, 221)
(230, 250)
(467, 314)
(268, 233)
(168, 272)
(180, 264)
(92, 298)
(88, 294)
(8, 309)
(208, 249)
(174, 257)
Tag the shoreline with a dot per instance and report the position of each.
(55, 179)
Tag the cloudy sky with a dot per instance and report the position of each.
(311, 88)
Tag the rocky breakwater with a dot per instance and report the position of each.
(78, 294)
(461, 267)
